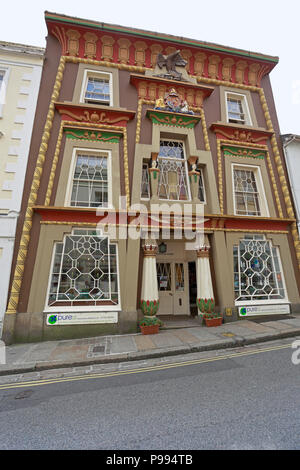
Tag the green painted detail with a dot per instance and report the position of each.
(206, 305)
(81, 134)
(149, 307)
(243, 152)
(188, 121)
(157, 37)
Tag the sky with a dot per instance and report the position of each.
(267, 26)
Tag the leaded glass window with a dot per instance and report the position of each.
(257, 270)
(84, 271)
(90, 182)
(164, 276)
(173, 181)
(246, 192)
(145, 185)
(201, 190)
(98, 90)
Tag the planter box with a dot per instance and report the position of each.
(213, 321)
(150, 330)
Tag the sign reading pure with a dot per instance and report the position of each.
(82, 318)
(263, 310)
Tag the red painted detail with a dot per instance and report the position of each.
(242, 134)
(135, 219)
(64, 27)
(97, 115)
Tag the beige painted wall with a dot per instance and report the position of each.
(247, 161)
(66, 173)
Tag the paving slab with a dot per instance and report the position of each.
(257, 327)
(144, 342)
(278, 325)
(294, 322)
(165, 340)
(204, 334)
(70, 351)
(186, 336)
(122, 344)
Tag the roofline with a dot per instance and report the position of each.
(17, 48)
(159, 36)
(289, 138)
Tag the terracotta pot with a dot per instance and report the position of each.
(150, 330)
(213, 321)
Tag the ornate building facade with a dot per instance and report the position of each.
(129, 123)
(20, 75)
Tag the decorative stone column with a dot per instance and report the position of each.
(205, 294)
(150, 299)
(154, 172)
(194, 178)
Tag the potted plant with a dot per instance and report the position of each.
(150, 325)
(213, 319)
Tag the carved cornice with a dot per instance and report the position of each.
(167, 118)
(129, 46)
(152, 88)
(94, 115)
(241, 133)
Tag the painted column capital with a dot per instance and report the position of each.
(150, 250)
(203, 251)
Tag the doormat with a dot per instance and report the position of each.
(272, 318)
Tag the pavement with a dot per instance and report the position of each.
(177, 339)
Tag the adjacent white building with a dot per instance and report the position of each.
(20, 76)
(291, 147)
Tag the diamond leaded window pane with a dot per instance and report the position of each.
(84, 271)
(145, 185)
(246, 193)
(173, 182)
(90, 182)
(257, 272)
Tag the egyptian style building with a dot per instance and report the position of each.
(20, 74)
(132, 122)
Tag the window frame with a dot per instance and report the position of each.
(263, 204)
(285, 300)
(245, 107)
(144, 164)
(3, 87)
(184, 160)
(203, 186)
(92, 152)
(82, 308)
(89, 73)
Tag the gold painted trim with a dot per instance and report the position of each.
(25, 236)
(281, 174)
(220, 144)
(139, 117)
(208, 230)
(88, 125)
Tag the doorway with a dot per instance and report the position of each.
(173, 288)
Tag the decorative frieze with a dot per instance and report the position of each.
(107, 52)
(92, 135)
(90, 45)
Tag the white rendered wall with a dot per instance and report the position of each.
(16, 122)
(292, 154)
